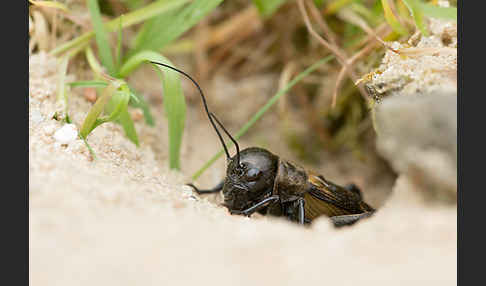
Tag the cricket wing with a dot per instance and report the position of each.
(326, 198)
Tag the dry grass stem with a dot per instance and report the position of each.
(81, 19)
(414, 52)
(227, 35)
(41, 31)
(55, 18)
(284, 79)
(339, 79)
(380, 32)
(340, 55)
(353, 18)
(247, 18)
(322, 24)
(240, 33)
(335, 50)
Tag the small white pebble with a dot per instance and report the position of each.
(66, 134)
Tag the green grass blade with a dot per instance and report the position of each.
(319, 3)
(175, 109)
(88, 83)
(133, 4)
(162, 30)
(366, 13)
(129, 19)
(392, 20)
(142, 104)
(93, 62)
(126, 121)
(114, 101)
(95, 111)
(101, 37)
(262, 111)
(418, 17)
(118, 52)
(447, 13)
(174, 101)
(117, 104)
(268, 7)
(117, 108)
(135, 100)
(91, 151)
(336, 5)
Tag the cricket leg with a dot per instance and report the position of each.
(216, 189)
(343, 220)
(364, 206)
(249, 211)
(301, 211)
(353, 188)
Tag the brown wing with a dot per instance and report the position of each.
(326, 198)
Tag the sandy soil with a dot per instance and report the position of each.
(125, 219)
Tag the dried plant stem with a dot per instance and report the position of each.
(380, 31)
(339, 79)
(232, 32)
(340, 55)
(411, 52)
(323, 25)
(335, 50)
(129, 19)
(249, 17)
(54, 28)
(284, 79)
(351, 17)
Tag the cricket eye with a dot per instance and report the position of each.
(253, 174)
(239, 170)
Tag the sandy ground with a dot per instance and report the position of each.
(125, 219)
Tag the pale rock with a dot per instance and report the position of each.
(418, 136)
(66, 134)
(415, 112)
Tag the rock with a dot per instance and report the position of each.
(66, 134)
(421, 65)
(418, 136)
(415, 111)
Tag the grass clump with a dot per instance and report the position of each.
(162, 21)
(243, 38)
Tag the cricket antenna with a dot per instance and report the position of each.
(231, 137)
(210, 115)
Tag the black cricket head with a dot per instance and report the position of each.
(250, 174)
(251, 180)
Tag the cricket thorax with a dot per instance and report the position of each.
(291, 181)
